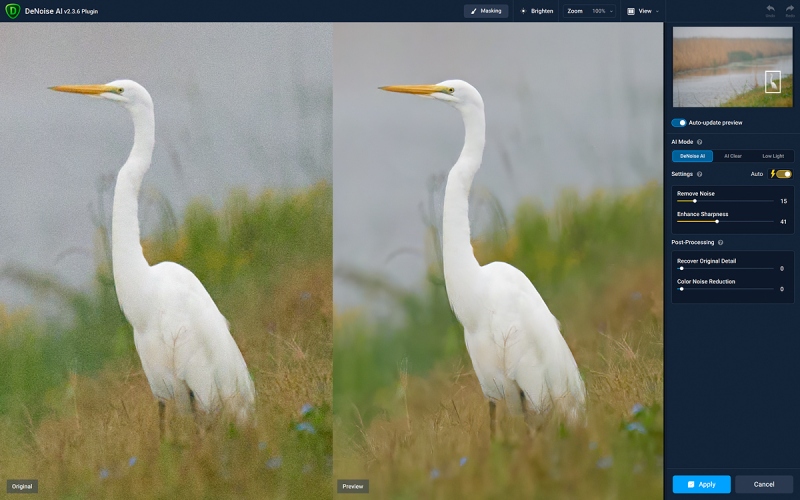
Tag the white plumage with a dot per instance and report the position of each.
(514, 341)
(183, 341)
(771, 83)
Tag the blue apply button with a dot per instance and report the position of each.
(692, 155)
(701, 484)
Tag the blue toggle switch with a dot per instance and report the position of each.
(679, 122)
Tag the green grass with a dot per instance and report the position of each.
(757, 98)
(407, 405)
(75, 407)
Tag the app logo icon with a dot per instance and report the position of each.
(13, 10)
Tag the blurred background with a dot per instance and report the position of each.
(569, 192)
(239, 193)
(245, 105)
(567, 106)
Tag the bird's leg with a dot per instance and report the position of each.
(193, 406)
(161, 407)
(525, 416)
(492, 418)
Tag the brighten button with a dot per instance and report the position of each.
(699, 485)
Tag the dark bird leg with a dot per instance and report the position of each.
(525, 416)
(193, 406)
(492, 418)
(161, 407)
(198, 423)
(524, 406)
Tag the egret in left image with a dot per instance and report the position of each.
(186, 350)
(166, 300)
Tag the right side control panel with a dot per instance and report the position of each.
(732, 323)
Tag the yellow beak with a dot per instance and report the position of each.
(86, 89)
(416, 89)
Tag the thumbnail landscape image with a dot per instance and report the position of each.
(568, 192)
(748, 67)
(239, 194)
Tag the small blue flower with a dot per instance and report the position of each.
(463, 461)
(305, 426)
(434, 473)
(131, 461)
(262, 445)
(605, 462)
(636, 426)
(306, 408)
(274, 462)
(307, 468)
(592, 445)
(637, 409)
(103, 473)
(305, 296)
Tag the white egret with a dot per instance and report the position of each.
(772, 84)
(514, 341)
(187, 352)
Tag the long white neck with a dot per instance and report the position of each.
(129, 264)
(460, 266)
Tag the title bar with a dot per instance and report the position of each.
(324, 11)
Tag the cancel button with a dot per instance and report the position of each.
(764, 484)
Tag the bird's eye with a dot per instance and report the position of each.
(120, 90)
(451, 90)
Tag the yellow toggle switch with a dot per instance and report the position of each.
(784, 174)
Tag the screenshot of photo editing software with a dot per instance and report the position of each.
(533, 249)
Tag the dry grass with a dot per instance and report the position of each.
(99, 423)
(696, 53)
(416, 447)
